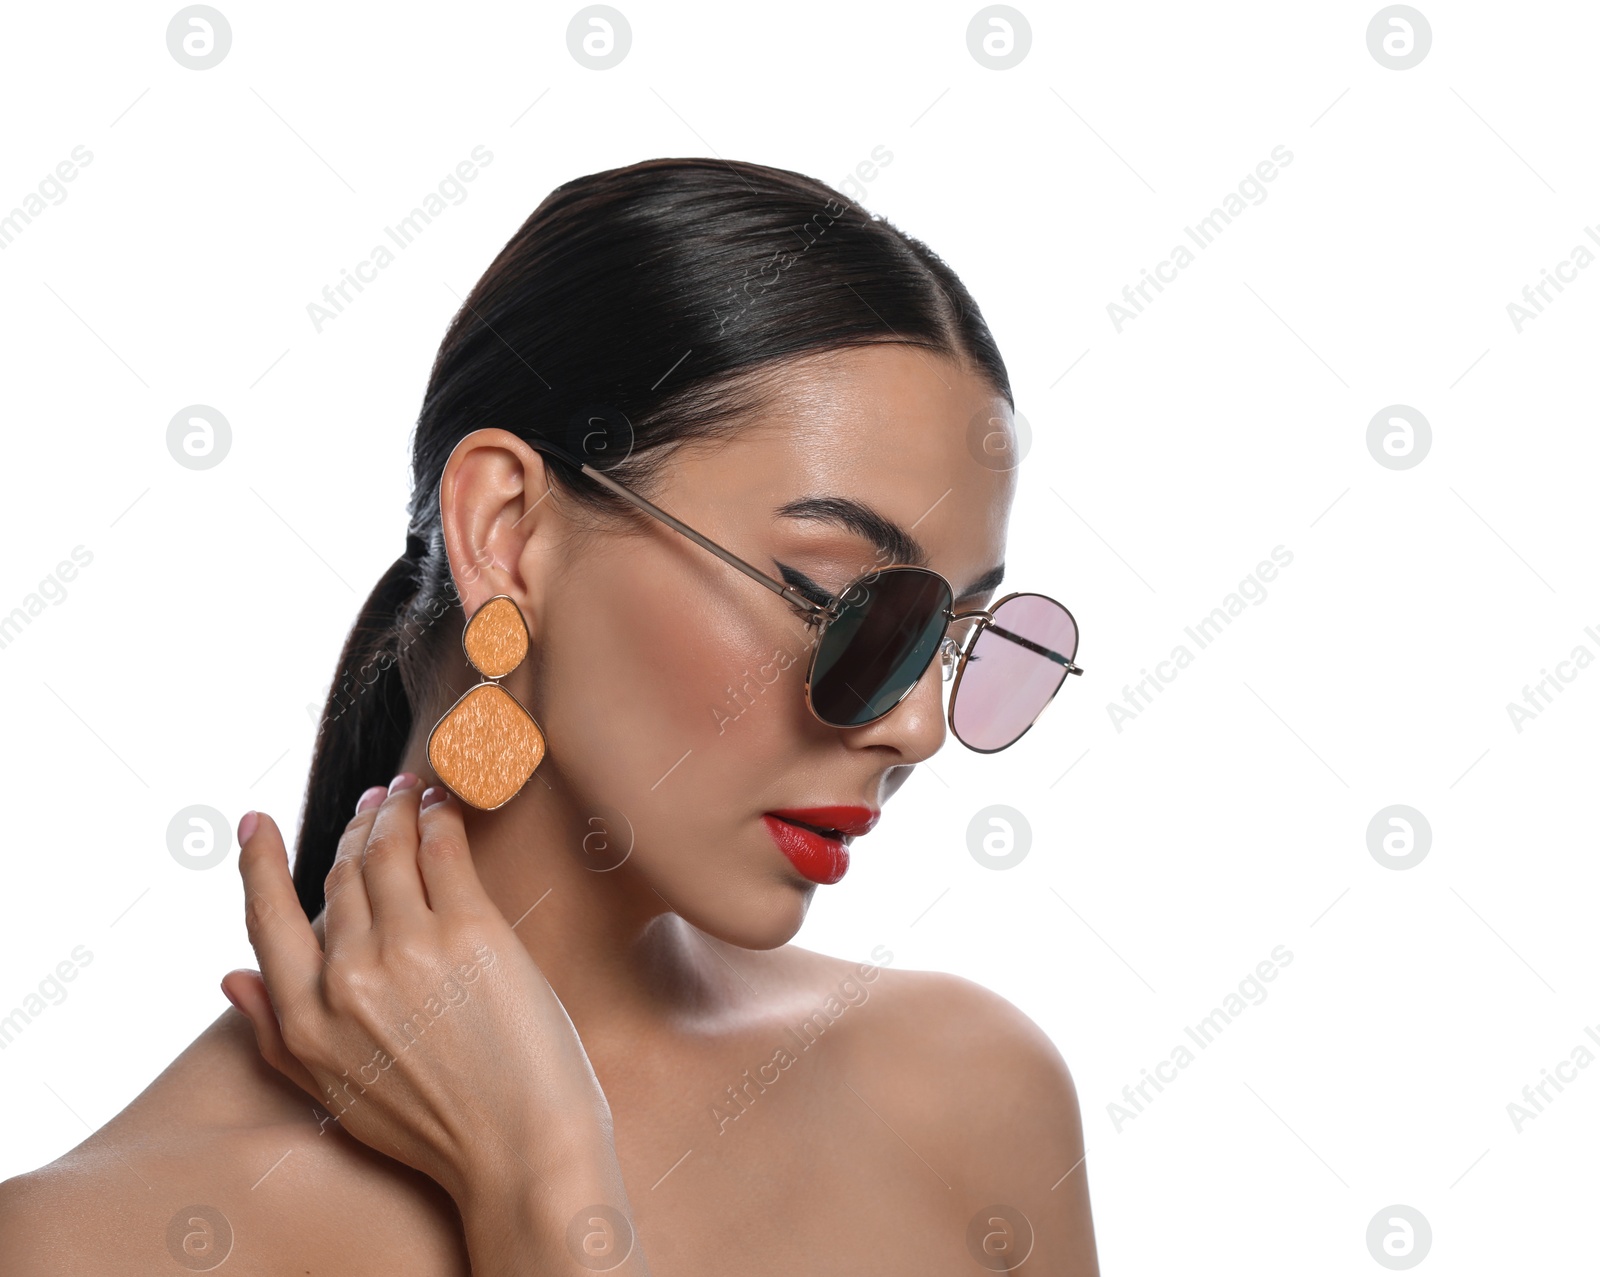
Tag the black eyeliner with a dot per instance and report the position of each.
(805, 585)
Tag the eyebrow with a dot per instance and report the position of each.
(887, 536)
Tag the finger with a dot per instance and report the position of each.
(443, 856)
(348, 912)
(248, 993)
(285, 945)
(389, 864)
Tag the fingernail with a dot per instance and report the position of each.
(247, 826)
(370, 798)
(231, 998)
(431, 795)
(405, 780)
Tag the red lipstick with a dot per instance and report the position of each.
(815, 838)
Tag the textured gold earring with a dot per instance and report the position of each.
(486, 745)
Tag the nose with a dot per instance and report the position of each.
(915, 728)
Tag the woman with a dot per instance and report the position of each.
(566, 1032)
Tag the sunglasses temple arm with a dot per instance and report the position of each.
(1071, 666)
(677, 525)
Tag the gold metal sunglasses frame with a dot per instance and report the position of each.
(950, 654)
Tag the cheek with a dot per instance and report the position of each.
(648, 675)
(760, 709)
(664, 701)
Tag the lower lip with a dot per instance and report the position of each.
(821, 860)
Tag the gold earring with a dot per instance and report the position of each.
(486, 745)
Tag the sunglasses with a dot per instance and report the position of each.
(877, 637)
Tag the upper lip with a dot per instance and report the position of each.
(849, 821)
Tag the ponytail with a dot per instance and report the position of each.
(364, 728)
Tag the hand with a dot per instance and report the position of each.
(424, 1026)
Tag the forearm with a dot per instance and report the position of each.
(565, 1214)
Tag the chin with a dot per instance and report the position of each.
(766, 916)
(747, 894)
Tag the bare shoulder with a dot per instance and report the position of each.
(939, 1031)
(215, 1161)
(116, 1206)
(961, 1046)
(978, 1092)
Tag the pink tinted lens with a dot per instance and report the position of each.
(1005, 682)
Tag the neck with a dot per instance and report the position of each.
(609, 944)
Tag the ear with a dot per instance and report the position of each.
(499, 527)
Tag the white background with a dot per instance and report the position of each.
(1227, 818)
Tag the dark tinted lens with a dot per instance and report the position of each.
(883, 640)
(1012, 671)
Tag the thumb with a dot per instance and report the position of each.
(248, 992)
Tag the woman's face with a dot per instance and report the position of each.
(670, 686)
